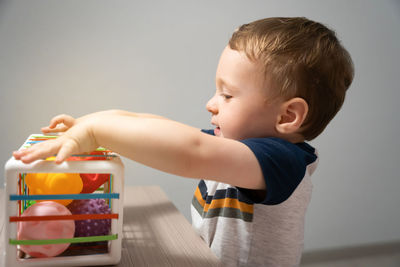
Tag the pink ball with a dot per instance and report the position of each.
(37, 230)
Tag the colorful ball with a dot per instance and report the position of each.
(92, 181)
(38, 230)
(91, 227)
(54, 183)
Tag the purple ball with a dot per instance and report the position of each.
(91, 227)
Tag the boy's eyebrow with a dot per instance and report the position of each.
(222, 82)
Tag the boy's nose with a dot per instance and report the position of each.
(212, 106)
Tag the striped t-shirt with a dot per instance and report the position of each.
(244, 229)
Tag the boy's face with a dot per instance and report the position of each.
(242, 107)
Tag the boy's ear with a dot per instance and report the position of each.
(292, 115)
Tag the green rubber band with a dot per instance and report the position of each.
(44, 136)
(64, 240)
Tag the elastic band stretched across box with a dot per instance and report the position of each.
(75, 217)
(64, 240)
(64, 196)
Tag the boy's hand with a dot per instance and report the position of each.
(77, 138)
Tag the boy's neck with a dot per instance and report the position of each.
(292, 138)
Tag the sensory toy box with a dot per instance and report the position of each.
(67, 214)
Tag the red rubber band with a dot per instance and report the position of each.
(75, 217)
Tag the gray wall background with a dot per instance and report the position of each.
(77, 57)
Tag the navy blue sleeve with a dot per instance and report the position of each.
(283, 165)
(210, 132)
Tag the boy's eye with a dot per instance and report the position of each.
(225, 96)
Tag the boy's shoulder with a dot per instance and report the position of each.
(278, 148)
(282, 150)
(284, 165)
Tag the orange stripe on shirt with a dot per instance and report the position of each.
(223, 203)
(199, 197)
(229, 203)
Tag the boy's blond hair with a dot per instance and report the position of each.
(301, 58)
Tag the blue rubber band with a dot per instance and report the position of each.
(64, 196)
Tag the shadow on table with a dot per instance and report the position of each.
(154, 237)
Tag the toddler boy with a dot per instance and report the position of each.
(278, 83)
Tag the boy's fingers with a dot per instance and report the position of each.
(60, 128)
(21, 153)
(66, 150)
(33, 155)
(18, 154)
(67, 120)
(38, 151)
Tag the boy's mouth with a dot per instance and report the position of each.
(217, 131)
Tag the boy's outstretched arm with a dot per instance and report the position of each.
(158, 143)
(63, 122)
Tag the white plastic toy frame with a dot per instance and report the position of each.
(13, 168)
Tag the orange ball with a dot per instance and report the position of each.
(54, 183)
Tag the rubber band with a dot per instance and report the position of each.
(75, 217)
(33, 142)
(64, 196)
(39, 139)
(63, 240)
(44, 136)
(93, 155)
(102, 149)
